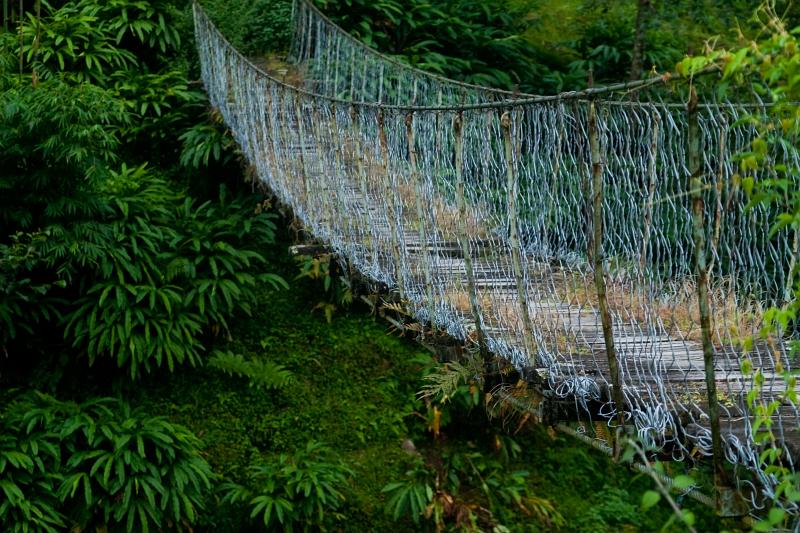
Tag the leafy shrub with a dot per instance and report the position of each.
(130, 311)
(267, 29)
(29, 462)
(609, 513)
(97, 465)
(24, 302)
(163, 271)
(206, 143)
(55, 141)
(304, 488)
(216, 246)
(468, 489)
(411, 496)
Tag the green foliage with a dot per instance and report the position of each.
(161, 101)
(214, 249)
(87, 40)
(446, 381)
(541, 46)
(472, 40)
(73, 39)
(468, 490)
(412, 496)
(770, 68)
(254, 27)
(28, 479)
(264, 374)
(165, 271)
(97, 464)
(25, 303)
(324, 267)
(54, 141)
(207, 143)
(307, 488)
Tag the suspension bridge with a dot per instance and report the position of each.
(596, 240)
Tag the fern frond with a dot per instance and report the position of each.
(264, 374)
(444, 381)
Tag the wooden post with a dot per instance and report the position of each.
(585, 183)
(301, 142)
(598, 263)
(393, 207)
(425, 250)
(512, 191)
(335, 140)
(719, 191)
(552, 193)
(696, 185)
(651, 191)
(463, 236)
(358, 156)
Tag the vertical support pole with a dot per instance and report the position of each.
(358, 156)
(512, 188)
(463, 236)
(585, 184)
(393, 205)
(719, 190)
(5, 15)
(598, 263)
(651, 191)
(425, 246)
(551, 208)
(301, 141)
(698, 233)
(337, 65)
(438, 143)
(333, 179)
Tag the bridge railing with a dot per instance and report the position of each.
(560, 233)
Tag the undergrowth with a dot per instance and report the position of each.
(354, 388)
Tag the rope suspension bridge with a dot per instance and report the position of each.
(596, 240)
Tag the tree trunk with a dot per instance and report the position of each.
(637, 55)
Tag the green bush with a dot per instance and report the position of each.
(97, 465)
(165, 271)
(305, 488)
(469, 490)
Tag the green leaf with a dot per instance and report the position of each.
(649, 499)
(682, 482)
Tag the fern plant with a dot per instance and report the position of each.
(263, 374)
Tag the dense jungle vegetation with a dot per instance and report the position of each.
(162, 366)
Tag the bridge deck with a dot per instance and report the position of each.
(657, 367)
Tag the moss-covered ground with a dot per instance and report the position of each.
(354, 389)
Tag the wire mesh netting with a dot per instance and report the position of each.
(481, 213)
